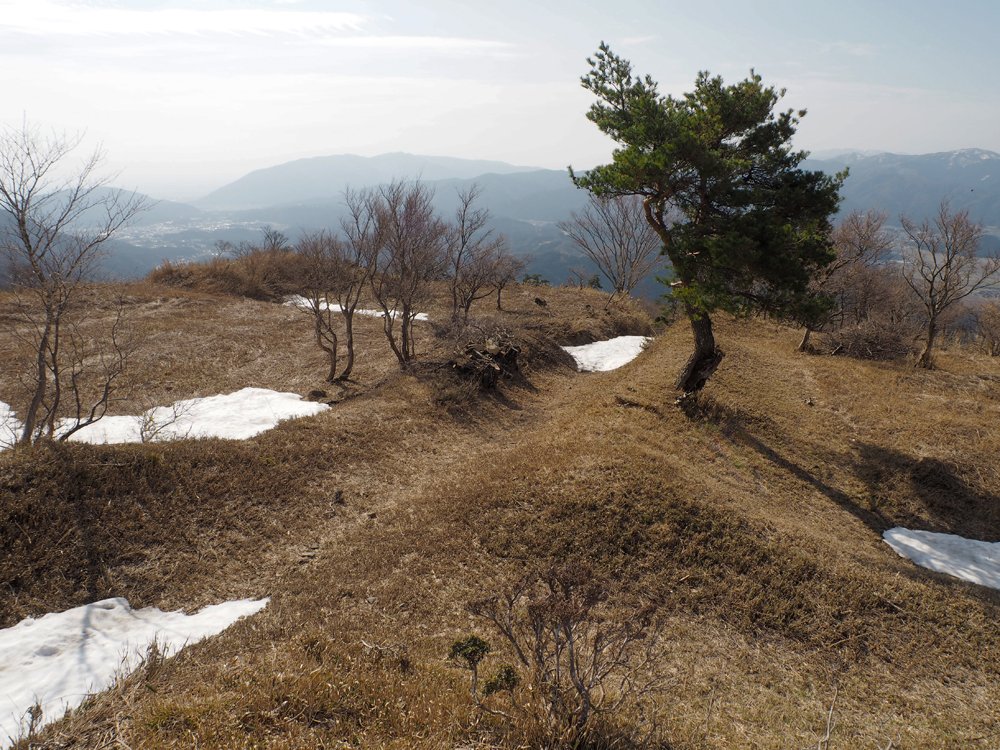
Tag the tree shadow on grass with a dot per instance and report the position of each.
(926, 493)
(900, 489)
(735, 425)
(874, 519)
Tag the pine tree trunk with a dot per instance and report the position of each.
(805, 339)
(706, 357)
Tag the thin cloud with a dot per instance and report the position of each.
(639, 39)
(855, 49)
(434, 43)
(45, 18)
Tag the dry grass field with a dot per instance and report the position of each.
(750, 521)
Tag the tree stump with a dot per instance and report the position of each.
(487, 364)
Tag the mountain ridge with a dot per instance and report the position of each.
(318, 177)
(915, 185)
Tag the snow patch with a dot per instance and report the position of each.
(9, 426)
(62, 657)
(968, 559)
(235, 416)
(602, 356)
(297, 300)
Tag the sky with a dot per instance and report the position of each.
(188, 95)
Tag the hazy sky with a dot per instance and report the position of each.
(187, 95)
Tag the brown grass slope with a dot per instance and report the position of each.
(752, 521)
(159, 522)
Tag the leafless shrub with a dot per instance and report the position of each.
(872, 340)
(986, 319)
(156, 423)
(583, 661)
(364, 238)
(877, 316)
(507, 270)
(861, 243)
(326, 272)
(70, 375)
(264, 270)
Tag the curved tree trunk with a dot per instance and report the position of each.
(705, 359)
(387, 327)
(349, 344)
(330, 350)
(805, 339)
(926, 361)
(406, 333)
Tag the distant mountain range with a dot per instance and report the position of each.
(915, 185)
(525, 203)
(323, 178)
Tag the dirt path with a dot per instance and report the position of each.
(350, 503)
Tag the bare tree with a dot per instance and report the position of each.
(942, 267)
(987, 323)
(506, 271)
(273, 240)
(579, 278)
(364, 237)
(411, 256)
(861, 242)
(475, 255)
(614, 234)
(325, 271)
(56, 223)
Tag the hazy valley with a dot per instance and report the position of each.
(525, 203)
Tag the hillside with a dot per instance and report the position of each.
(750, 523)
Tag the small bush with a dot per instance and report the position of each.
(256, 274)
(871, 340)
(586, 659)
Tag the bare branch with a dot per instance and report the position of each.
(55, 230)
(616, 236)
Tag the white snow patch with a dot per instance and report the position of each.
(607, 355)
(968, 559)
(297, 300)
(9, 426)
(236, 416)
(62, 657)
